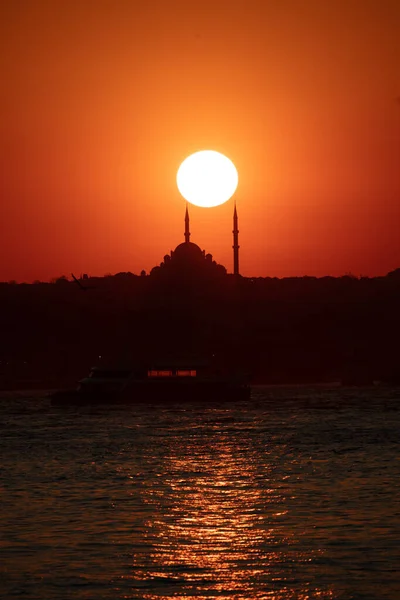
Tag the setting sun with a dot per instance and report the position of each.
(207, 178)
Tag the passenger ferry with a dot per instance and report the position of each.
(160, 382)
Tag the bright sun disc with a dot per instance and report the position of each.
(207, 178)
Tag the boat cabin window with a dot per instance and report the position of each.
(171, 373)
(163, 373)
(186, 373)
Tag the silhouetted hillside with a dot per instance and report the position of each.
(292, 329)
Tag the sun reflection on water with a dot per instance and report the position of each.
(214, 521)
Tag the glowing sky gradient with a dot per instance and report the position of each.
(102, 100)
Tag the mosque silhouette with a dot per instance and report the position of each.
(189, 257)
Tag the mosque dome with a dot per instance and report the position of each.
(188, 251)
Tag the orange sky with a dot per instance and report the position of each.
(102, 99)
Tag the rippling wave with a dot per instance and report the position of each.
(293, 495)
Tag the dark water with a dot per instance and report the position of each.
(293, 495)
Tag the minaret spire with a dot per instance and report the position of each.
(187, 232)
(235, 243)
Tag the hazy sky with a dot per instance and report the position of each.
(102, 99)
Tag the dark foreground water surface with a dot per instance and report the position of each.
(292, 495)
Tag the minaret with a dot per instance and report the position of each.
(235, 243)
(187, 232)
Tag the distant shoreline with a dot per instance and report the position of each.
(50, 386)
